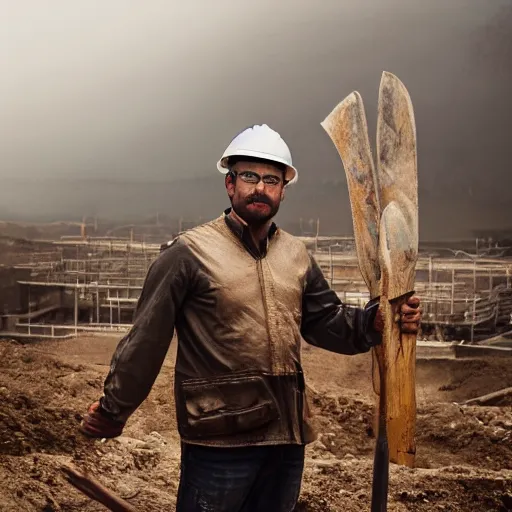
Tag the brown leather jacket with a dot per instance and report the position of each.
(240, 314)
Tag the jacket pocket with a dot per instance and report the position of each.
(226, 405)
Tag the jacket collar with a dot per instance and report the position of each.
(241, 231)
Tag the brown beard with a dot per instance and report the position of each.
(252, 217)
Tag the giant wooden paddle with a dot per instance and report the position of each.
(384, 206)
(398, 253)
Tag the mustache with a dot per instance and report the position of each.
(258, 198)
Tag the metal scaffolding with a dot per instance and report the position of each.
(98, 281)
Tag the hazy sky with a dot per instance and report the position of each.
(155, 90)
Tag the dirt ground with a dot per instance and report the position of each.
(464, 454)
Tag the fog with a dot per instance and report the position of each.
(135, 102)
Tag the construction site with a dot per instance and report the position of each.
(86, 284)
(68, 294)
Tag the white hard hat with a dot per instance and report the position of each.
(260, 141)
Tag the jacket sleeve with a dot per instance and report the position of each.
(139, 356)
(329, 324)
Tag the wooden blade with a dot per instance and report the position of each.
(397, 174)
(347, 128)
(398, 251)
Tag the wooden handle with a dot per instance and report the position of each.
(93, 489)
(399, 353)
(380, 475)
(380, 482)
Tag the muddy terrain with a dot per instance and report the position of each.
(464, 454)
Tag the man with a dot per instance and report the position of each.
(241, 294)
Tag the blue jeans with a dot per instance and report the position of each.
(248, 479)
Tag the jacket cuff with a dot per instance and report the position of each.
(106, 411)
(369, 334)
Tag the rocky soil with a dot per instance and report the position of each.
(464, 454)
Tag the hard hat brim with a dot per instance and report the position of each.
(291, 174)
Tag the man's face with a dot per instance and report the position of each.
(256, 201)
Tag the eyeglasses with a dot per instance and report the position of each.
(254, 178)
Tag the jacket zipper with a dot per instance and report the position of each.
(272, 347)
(273, 360)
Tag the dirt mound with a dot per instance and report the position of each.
(40, 400)
(27, 426)
(46, 387)
(142, 470)
(335, 485)
(456, 380)
(345, 425)
(437, 380)
(446, 433)
(450, 434)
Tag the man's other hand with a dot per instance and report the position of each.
(96, 424)
(410, 317)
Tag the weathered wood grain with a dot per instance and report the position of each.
(346, 126)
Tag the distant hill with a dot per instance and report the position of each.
(443, 213)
